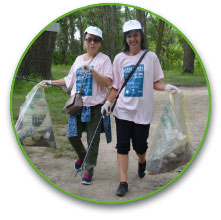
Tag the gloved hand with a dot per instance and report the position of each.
(45, 84)
(86, 68)
(106, 108)
(174, 89)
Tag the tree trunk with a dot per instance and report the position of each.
(160, 37)
(64, 39)
(145, 29)
(167, 43)
(127, 16)
(37, 61)
(72, 31)
(81, 34)
(114, 31)
(102, 25)
(188, 59)
(139, 16)
(107, 36)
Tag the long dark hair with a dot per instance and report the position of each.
(126, 46)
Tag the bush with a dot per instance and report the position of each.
(57, 58)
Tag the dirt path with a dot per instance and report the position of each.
(105, 181)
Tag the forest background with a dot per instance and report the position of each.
(51, 53)
(56, 51)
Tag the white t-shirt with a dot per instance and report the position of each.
(135, 102)
(92, 92)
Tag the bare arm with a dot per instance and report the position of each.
(100, 79)
(158, 85)
(59, 82)
(163, 86)
(112, 95)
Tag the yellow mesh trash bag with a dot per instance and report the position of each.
(171, 147)
(34, 126)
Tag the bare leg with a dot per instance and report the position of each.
(123, 162)
(141, 158)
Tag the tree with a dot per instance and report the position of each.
(127, 14)
(188, 59)
(160, 37)
(81, 28)
(72, 31)
(141, 17)
(38, 59)
(63, 39)
(107, 35)
(145, 28)
(114, 30)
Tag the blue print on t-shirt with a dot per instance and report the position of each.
(87, 86)
(134, 87)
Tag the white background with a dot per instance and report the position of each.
(24, 194)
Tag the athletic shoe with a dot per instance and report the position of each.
(141, 169)
(87, 179)
(78, 164)
(122, 189)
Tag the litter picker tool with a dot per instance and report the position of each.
(90, 144)
(65, 89)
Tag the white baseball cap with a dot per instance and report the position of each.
(94, 30)
(131, 25)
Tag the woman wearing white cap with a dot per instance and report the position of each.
(98, 69)
(134, 108)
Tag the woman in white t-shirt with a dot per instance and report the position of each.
(98, 69)
(134, 108)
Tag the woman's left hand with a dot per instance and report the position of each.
(172, 88)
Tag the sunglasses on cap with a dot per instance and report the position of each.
(95, 40)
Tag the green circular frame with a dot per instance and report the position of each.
(135, 199)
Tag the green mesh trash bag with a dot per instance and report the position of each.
(171, 147)
(34, 126)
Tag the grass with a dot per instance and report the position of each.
(59, 71)
(178, 78)
(56, 99)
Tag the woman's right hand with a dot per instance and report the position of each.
(172, 88)
(106, 108)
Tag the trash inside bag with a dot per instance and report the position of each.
(34, 126)
(171, 146)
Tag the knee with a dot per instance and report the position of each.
(74, 140)
(122, 150)
(71, 139)
(141, 151)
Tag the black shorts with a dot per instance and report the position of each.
(128, 130)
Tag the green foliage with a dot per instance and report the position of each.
(69, 46)
(172, 52)
(57, 57)
(198, 68)
(60, 71)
